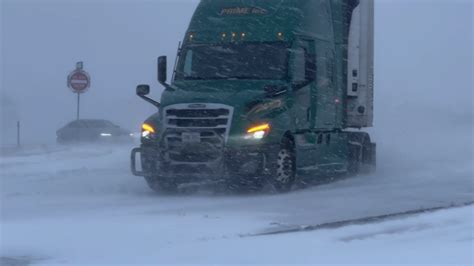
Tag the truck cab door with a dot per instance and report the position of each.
(303, 76)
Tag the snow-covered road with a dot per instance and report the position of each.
(81, 205)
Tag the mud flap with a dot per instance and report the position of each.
(133, 165)
(373, 155)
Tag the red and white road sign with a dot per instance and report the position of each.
(79, 81)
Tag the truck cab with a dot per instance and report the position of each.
(263, 91)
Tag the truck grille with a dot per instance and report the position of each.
(196, 135)
(198, 112)
(197, 122)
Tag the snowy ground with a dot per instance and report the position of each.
(82, 206)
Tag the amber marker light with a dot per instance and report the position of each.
(259, 128)
(147, 127)
(147, 130)
(258, 132)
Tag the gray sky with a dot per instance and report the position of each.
(423, 61)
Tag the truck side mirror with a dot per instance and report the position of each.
(143, 90)
(162, 69)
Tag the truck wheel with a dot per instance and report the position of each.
(285, 168)
(161, 186)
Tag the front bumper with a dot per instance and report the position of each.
(234, 162)
(196, 143)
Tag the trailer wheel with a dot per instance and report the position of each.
(161, 186)
(285, 173)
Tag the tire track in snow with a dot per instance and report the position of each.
(359, 221)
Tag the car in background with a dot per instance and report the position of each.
(93, 130)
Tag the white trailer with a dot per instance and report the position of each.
(360, 72)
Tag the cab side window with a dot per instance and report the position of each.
(188, 63)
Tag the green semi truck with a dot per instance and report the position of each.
(263, 91)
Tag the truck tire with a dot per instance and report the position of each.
(161, 186)
(285, 167)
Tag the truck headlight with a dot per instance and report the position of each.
(147, 130)
(258, 132)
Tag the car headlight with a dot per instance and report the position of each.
(147, 131)
(105, 135)
(258, 131)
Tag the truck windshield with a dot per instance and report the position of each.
(234, 61)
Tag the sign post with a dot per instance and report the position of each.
(79, 81)
(78, 105)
